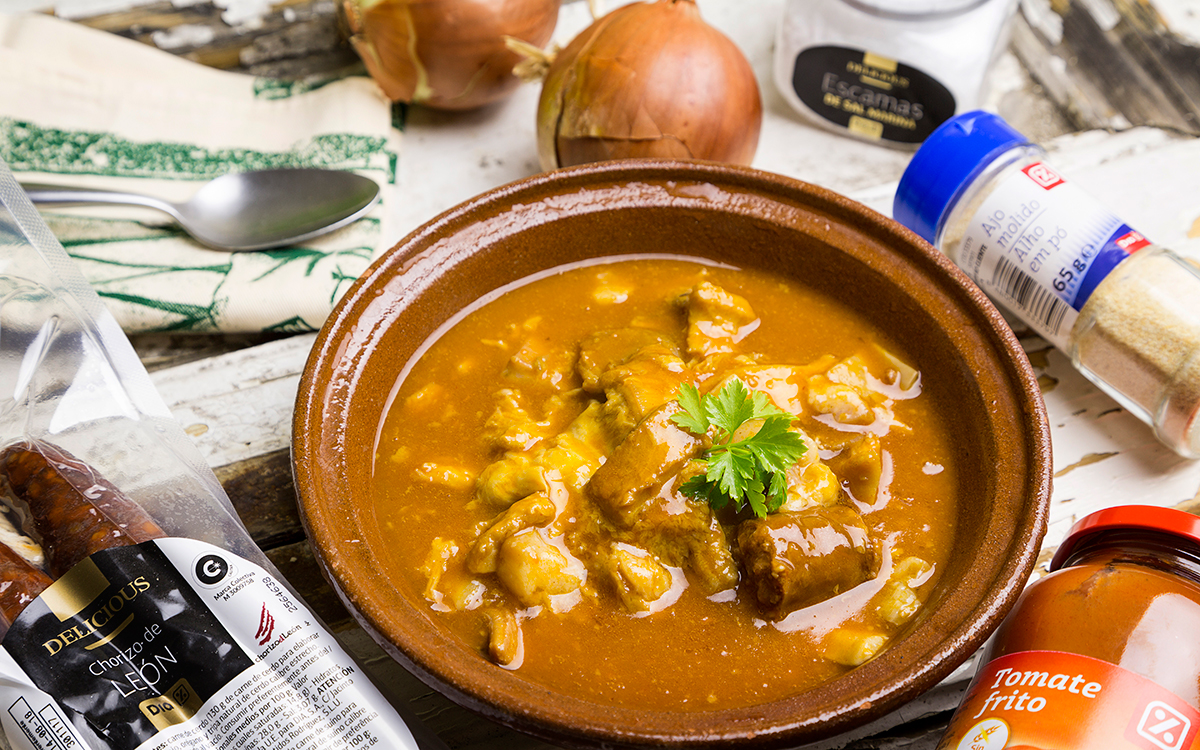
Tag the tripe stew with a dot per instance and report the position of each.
(530, 470)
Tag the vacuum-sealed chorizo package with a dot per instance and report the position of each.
(136, 611)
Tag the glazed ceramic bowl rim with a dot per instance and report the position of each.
(536, 709)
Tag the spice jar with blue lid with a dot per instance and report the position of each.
(1126, 311)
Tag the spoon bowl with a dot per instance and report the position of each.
(246, 210)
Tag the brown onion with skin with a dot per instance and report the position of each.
(649, 79)
(446, 54)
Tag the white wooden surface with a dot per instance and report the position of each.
(238, 406)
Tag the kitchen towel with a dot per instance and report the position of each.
(85, 107)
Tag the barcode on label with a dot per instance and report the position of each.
(1038, 303)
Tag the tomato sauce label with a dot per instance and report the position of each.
(1037, 700)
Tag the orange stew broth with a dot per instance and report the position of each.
(698, 654)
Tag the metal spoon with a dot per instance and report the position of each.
(247, 210)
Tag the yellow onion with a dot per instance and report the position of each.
(649, 79)
(446, 54)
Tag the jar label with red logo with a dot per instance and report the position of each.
(1052, 699)
(1039, 245)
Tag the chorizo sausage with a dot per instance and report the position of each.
(20, 583)
(796, 559)
(74, 511)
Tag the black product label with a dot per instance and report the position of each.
(870, 95)
(126, 645)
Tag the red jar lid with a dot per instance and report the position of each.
(1129, 517)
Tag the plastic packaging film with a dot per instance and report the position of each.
(139, 612)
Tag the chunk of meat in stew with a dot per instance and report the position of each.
(582, 494)
(639, 385)
(604, 350)
(653, 451)
(717, 320)
(794, 560)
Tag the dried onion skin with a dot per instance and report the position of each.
(446, 54)
(649, 79)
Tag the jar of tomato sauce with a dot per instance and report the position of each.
(1101, 653)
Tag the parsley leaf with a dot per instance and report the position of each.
(748, 472)
(693, 417)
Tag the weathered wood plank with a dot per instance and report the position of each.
(299, 568)
(1112, 65)
(237, 406)
(236, 402)
(294, 39)
(159, 351)
(1106, 64)
(262, 492)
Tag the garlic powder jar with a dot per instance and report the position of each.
(1125, 310)
(888, 71)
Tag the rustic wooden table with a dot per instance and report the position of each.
(1114, 93)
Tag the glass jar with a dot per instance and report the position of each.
(888, 71)
(1103, 652)
(1126, 311)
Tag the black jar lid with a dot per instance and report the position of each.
(1129, 518)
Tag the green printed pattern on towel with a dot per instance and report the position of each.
(155, 278)
(27, 147)
(280, 88)
(144, 289)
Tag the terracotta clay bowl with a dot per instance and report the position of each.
(732, 215)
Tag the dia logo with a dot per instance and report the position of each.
(1043, 175)
(1163, 726)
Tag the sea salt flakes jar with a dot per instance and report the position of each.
(888, 71)
(1126, 311)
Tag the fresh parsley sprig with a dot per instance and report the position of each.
(751, 471)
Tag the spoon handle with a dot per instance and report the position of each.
(60, 195)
